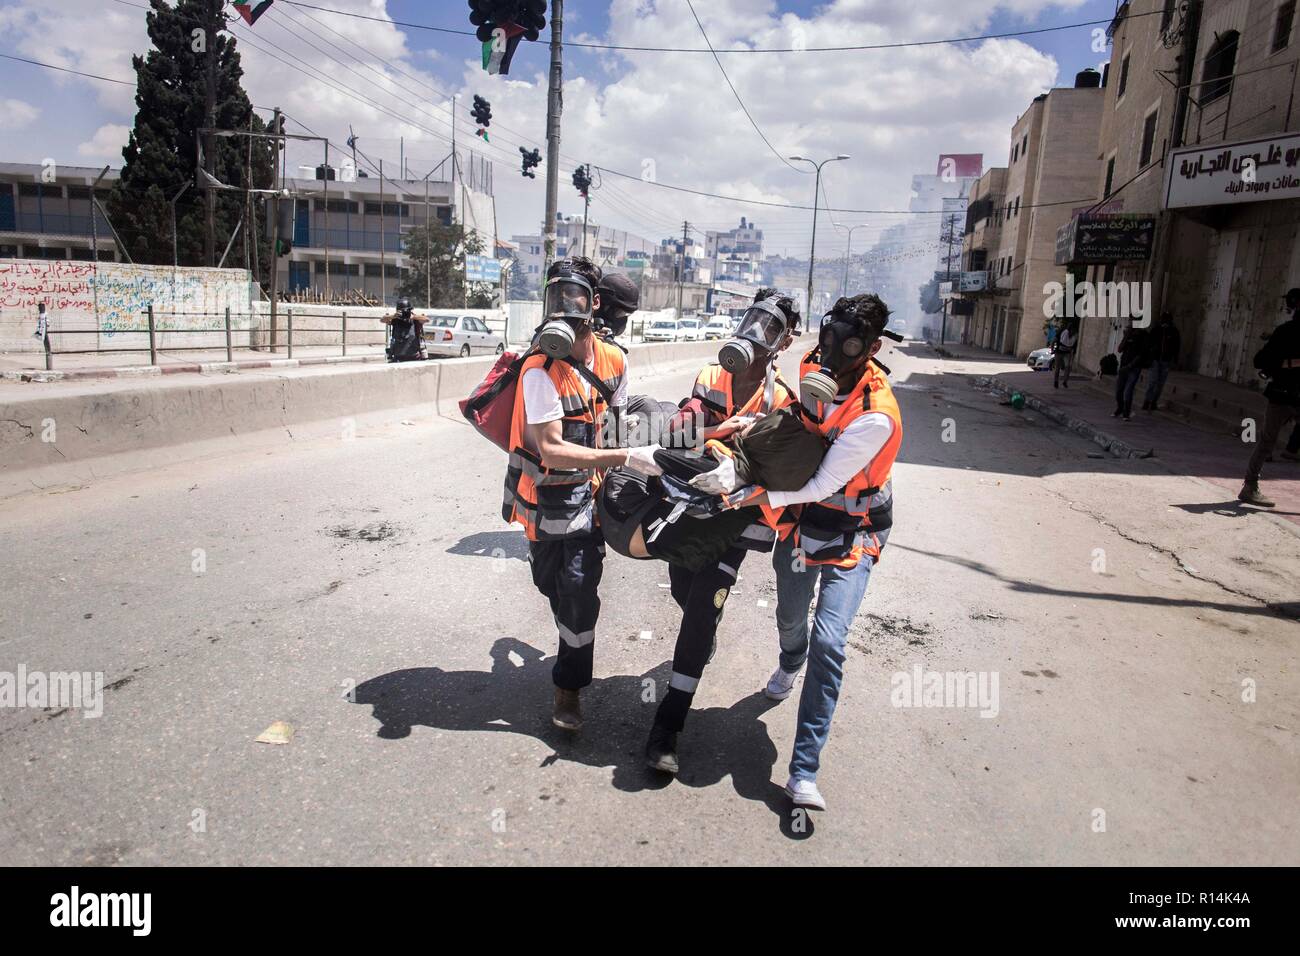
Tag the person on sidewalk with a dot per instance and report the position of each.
(1279, 360)
(722, 402)
(1063, 356)
(1134, 355)
(844, 521)
(1165, 346)
(568, 383)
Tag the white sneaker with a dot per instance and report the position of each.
(804, 793)
(781, 683)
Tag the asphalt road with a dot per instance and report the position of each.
(365, 591)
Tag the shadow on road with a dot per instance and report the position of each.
(516, 698)
(493, 544)
(1230, 509)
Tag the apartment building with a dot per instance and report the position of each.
(985, 312)
(45, 213)
(1051, 169)
(1199, 182)
(736, 255)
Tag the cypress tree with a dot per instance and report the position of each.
(160, 156)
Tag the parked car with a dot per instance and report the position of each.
(661, 330)
(460, 335)
(689, 330)
(719, 327)
(1040, 359)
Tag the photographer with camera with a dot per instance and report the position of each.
(406, 336)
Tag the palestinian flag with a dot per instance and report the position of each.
(498, 60)
(250, 10)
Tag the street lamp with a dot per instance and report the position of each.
(817, 183)
(847, 252)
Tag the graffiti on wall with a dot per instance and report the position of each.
(118, 295)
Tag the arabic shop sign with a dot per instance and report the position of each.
(1101, 237)
(1232, 173)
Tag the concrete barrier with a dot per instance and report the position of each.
(47, 427)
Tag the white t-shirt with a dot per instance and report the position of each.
(542, 400)
(850, 453)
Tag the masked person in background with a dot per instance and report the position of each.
(844, 518)
(567, 385)
(728, 394)
(406, 337)
(619, 297)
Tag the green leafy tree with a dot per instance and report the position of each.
(161, 157)
(438, 251)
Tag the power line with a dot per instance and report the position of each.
(64, 69)
(732, 87)
(803, 49)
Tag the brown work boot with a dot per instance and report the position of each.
(568, 710)
(1250, 495)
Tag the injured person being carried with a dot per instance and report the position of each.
(756, 444)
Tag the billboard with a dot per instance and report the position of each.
(958, 165)
(1234, 173)
(482, 269)
(1103, 237)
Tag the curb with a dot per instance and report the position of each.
(202, 368)
(1109, 443)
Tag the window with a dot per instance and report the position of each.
(346, 206)
(390, 209)
(79, 192)
(8, 252)
(1282, 29)
(1216, 76)
(1149, 137)
(1110, 177)
(1123, 78)
(1024, 145)
(1017, 205)
(1015, 150)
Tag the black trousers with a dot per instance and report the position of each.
(568, 572)
(701, 595)
(1275, 419)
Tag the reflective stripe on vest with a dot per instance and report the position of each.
(855, 520)
(713, 388)
(555, 503)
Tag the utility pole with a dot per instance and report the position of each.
(383, 256)
(210, 120)
(681, 269)
(554, 107)
(812, 252)
(947, 269)
(277, 144)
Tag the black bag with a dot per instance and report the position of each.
(1109, 364)
(779, 453)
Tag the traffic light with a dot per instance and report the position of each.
(482, 113)
(582, 180)
(515, 19)
(532, 159)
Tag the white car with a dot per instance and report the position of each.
(1040, 359)
(718, 328)
(461, 335)
(689, 330)
(661, 330)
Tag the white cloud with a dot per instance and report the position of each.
(106, 145)
(893, 110)
(17, 114)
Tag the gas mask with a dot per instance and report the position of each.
(843, 345)
(759, 335)
(566, 307)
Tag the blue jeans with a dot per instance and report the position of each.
(837, 603)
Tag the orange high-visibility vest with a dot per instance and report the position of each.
(553, 503)
(856, 519)
(713, 387)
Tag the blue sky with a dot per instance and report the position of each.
(894, 111)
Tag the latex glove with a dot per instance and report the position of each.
(720, 481)
(734, 424)
(642, 459)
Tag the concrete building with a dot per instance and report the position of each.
(986, 323)
(1051, 173)
(45, 213)
(736, 255)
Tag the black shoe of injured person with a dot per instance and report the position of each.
(567, 714)
(661, 750)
